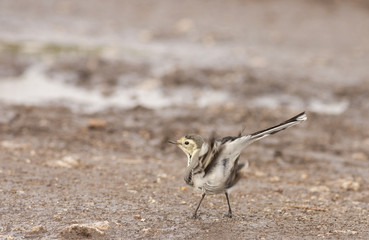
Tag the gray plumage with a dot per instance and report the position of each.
(213, 167)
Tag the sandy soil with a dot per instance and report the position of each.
(67, 173)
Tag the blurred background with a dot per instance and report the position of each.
(156, 54)
(90, 92)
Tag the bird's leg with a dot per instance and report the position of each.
(198, 206)
(229, 207)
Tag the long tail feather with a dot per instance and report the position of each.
(234, 145)
(286, 124)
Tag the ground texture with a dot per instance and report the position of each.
(71, 173)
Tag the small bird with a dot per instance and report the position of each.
(212, 167)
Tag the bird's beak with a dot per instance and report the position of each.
(173, 142)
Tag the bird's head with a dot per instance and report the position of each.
(189, 144)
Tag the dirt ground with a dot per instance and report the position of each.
(106, 171)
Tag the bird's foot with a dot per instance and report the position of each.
(228, 215)
(194, 216)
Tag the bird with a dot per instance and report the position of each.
(212, 166)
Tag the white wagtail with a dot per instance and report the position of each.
(212, 168)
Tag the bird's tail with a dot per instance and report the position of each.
(286, 124)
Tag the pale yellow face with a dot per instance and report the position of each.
(189, 144)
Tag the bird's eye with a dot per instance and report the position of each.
(187, 143)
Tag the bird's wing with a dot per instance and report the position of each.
(209, 159)
(204, 149)
(193, 164)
